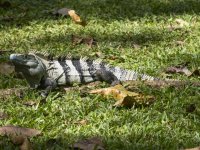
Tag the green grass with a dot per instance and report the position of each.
(116, 25)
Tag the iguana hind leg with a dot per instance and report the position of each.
(107, 76)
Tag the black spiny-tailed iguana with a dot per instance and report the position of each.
(47, 74)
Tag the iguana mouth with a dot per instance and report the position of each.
(15, 58)
(23, 60)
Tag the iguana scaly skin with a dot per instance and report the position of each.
(47, 74)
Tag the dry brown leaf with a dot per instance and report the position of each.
(196, 148)
(81, 40)
(136, 46)
(22, 141)
(19, 136)
(76, 39)
(178, 24)
(181, 43)
(82, 122)
(15, 131)
(181, 22)
(5, 93)
(3, 115)
(76, 18)
(30, 103)
(98, 54)
(26, 145)
(124, 97)
(6, 68)
(179, 69)
(89, 41)
(69, 12)
(94, 143)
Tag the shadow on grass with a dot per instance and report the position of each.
(107, 10)
(131, 141)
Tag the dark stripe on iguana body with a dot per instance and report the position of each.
(78, 67)
(65, 69)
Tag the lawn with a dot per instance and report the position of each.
(131, 34)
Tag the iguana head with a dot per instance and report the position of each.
(31, 66)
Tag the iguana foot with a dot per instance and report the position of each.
(44, 94)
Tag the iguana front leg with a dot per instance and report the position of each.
(107, 76)
(48, 85)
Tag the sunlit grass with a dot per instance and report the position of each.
(117, 26)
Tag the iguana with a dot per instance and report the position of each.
(47, 74)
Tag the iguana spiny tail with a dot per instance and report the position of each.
(41, 73)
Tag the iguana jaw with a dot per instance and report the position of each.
(24, 60)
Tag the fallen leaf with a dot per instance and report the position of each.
(3, 115)
(22, 141)
(82, 122)
(69, 12)
(5, 93)
(26, 145)
(76, 18)
(17, 139)
(98, 54)
(6, 68)
(196, 148)
(94, 143)
(136, 46)
(19, 136)
(15, 131)
(89, 41)
(179, 69)
(177, 24)
(81, 40)
(181, 22)
(76, 39)
(30, 103)
(181, 43)
(124, 97)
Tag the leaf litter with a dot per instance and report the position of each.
(123, 97)
(6, 93)
(93, 143)
(19, 136)
(3, 116)
(15, 130)
(83, 40)
(72, 13)
(82, 122)
(30, 103)
(179, 69)
(178, 24)
(182, 69)
(6, 68)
